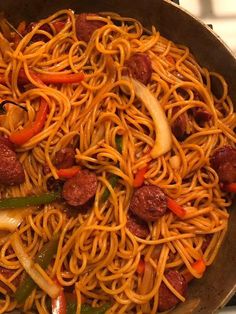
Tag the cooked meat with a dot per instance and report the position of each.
(65, 158)
(11, 170)
(139, 67)
(180, 124)
(148, 203)
(7, 273)
(80, 188)
(223, 161)
(137, 226)
(39, 37)
(206, 242)
(85, 27)
(167, 299)
(201, 115)
(7, 142)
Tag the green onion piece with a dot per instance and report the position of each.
(34, 200)
(71, 306)
(119, 143)
(87, 309)
(113, 178)
(43, 258)
(113, 181)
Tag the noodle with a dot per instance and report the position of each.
(97, 254)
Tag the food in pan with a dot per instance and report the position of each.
(117, 166)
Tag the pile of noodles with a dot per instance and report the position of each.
(97, 255)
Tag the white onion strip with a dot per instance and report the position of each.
(46, 284)
(163, 141)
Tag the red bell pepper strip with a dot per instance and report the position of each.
(200, 268)
(53, 78)
(22, 136)
(68, 172)
(170, 59)
(58, 25)
(230, 187)
(139, 177)
(140, 174)
(176, 208)
(141, 267)
(59, 303)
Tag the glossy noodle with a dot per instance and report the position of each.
(97, 255)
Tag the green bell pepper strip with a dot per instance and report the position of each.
(43, 258)
(87, 309)
(113, 181)
(71, 307)
(34, 200)
(113, 178)
(119, 143)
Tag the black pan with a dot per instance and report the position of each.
(207, 295)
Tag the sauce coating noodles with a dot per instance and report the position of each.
(97, 254)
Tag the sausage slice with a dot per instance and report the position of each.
(85, 27)
(11, 170)
(179, 126)
(139, 67)
(167, 299)
(201, 115)
(39, 37)
(148, 203)
(7, 273)
(65, 158)
(80, 188)
(137, 226)
(223, 161)
(7, 142)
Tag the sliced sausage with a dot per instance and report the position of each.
(7, 142)
(72, 211)
(11, 170)
(201, 115)
(39, 37)
(7, 273)
(65, 158)
(137, 226)
(85, 27)
(183, 93)
(179, 126)
(139, 67)
(80, 188)
(148, 203)
(46, 169)
(167, 299)
(206, 242)
(223, 161)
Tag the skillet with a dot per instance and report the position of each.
(212, 292)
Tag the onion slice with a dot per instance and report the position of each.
(163, 141)
(9, 221)
(44, 282)
(11, 218)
